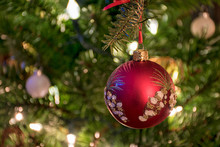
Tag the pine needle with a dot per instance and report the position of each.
(125, 27)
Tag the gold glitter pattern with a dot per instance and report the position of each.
(157, 103)
(154, 105)
(173, 97)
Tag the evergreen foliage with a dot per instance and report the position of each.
(126, 25)
(34, 34)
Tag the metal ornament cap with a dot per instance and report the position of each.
(140, 55)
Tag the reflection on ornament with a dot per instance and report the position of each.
(140, 93)
(38, 85)
(203, 26)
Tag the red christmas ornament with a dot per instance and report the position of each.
(140, 93)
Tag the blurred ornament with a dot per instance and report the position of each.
(38, 85)
(140, 93)
(203, 26)
(172, 66)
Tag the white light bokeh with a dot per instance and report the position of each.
(133, 145)
(97, 135)
(132, 47)
(175, 76)
(54, 91)
(20, 109)
(153, 26)
(19, 116)
(12, 121)
(179, 108)
(92, 144)
(73, 9)
(7, 89)
(70, 145)
(36, 126)
(194, 109)
(116, 60)
(176, 110)
(71, 139)
(62, 17)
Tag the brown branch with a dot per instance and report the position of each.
(13, 130)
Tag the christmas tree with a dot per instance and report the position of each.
(62, 43)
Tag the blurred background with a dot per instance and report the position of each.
(64, 40)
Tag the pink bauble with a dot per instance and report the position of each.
(37, 85)
(140, 94)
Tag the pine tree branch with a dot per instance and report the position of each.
(204, 88)
(147, 19)
(126, 26)
(82, 41)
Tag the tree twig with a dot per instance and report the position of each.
(85, 44)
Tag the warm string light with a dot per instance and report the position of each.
(54, 91)
(73, 9)
(132, 47)
(36, 126)
(194, 109)
(97, 136)
(133, 145)
(71, 139)
(176, 110)
(18, 116)
(152, 26)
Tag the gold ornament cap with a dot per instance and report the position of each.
(140, 55)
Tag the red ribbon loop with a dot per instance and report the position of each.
(140, 41)
(116, 3)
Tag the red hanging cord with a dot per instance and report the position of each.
(116, 3)
(140, 32)
(119, 2)
(140, 41)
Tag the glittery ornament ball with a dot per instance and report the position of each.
(38, 85)
(140, 94)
